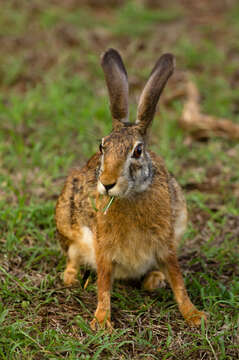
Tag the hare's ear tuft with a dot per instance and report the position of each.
(159, 76)
(117, 84)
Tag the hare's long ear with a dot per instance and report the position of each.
(159, 76)
(117, 83)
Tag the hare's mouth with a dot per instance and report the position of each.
(118, 189)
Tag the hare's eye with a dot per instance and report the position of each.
(138, 151)
(101, 148)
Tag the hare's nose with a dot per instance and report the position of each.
(109, 186)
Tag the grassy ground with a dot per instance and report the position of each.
(53, 111)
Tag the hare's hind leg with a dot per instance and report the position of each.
(80, 251)
(153, 280)
(72, 265)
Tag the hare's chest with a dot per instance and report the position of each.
(134, 243)
(134, 255)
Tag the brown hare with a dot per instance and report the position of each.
(123, 214)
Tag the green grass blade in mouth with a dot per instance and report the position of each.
(106, 208)
(92, 200)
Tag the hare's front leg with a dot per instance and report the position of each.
(175, 279)
(104, 282)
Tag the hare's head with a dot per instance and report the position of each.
(126, 167)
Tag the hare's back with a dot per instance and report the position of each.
(179, 208)
(75, 209)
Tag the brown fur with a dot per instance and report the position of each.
(139, 233)
(148, 101)
(116, 80)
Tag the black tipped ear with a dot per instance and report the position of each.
(160, 74)
(117, 84)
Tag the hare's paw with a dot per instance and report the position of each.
(101, 321)
(154, 280)
(70, 277)
(195, 317)
(96, 325)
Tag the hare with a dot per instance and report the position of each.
(123, 213)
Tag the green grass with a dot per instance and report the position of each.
(133, 19)
(53, 112)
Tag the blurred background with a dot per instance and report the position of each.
(54, 111)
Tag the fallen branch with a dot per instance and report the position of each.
(201, 125)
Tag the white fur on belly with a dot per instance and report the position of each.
(133, 272)
(87, 239)
(87, 236)
(180, 225)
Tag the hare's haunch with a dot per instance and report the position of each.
(146, 212)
